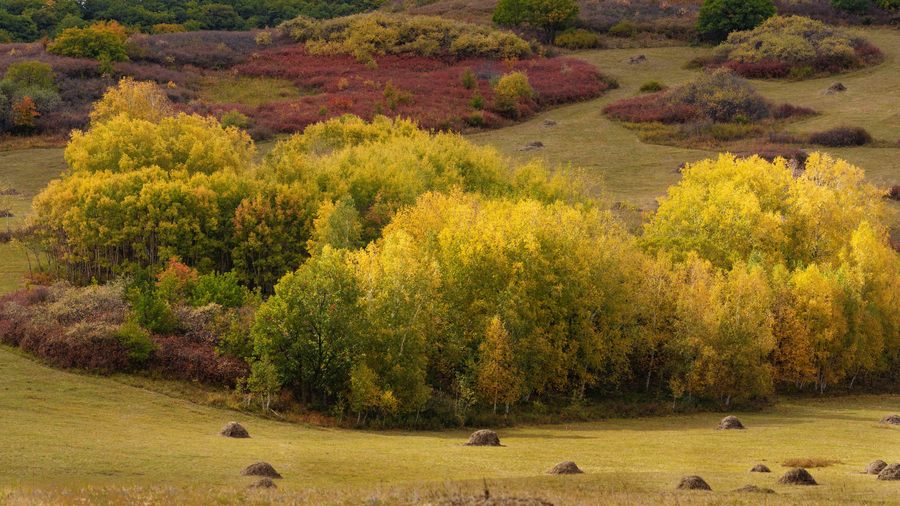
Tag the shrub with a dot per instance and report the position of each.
(546, 15)
(24, 114)
(235, 118)
(222, 289)
(510, 91)
(468, 79)
(179, 358)
(718, 18)
(652, 87)
(367, 35)
(577, 39)
(29, 74)
(722, 96)
(841, 137)
(168, 28)
(794, 46)
(137, 341)
(623, 28)
(102, 41)
(854, 6)
(151, 310)
(264, 38)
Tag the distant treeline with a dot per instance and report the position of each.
(29, 20)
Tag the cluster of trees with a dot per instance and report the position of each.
(410, 273)
(28, 20)
(28, 89)
(547, 16)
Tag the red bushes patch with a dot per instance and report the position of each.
(766, 69)
(430, 90)
(178, 358)
(651, 108)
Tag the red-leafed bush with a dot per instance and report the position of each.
(841, 137)
(435, 94)
(767, 69)
(651, 108)
(181, 358)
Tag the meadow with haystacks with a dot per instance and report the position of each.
(450, 252)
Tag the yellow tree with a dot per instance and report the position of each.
(499, 381)
(134, 99)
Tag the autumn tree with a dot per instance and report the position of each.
(142, 100)
(498, 379)
(546, 15)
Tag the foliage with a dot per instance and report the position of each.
(794, 41)
(547, 15)
(577, 38)
(365, 36)
(623, 28)
(718, 18)
(102, 41)
(855, 6)
(141, 100)
(652, 87)
(512, 89)
(23, 114)
(841, 136)
(29, 74)
(137, 341)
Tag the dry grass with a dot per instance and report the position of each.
(810, 462)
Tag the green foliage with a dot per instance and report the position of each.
(793, 39)
(623, 28)
(150, 310)
(29, 74)
(722, 96)
(854, 6)
(368, 35)
(468, 79)
(137, 341)
(236, 119)
(546, 15)
(577, 38)
(214, 288)
(718, 18)
(652, 87)
(102, 41)
(337, 225)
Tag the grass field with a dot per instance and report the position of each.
(67, 431)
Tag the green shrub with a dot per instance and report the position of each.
(510, 90)
(368, 35)
(477, 101)
(223, 289)
(652, 87)
(235, 118)
(623, 28)
(577, 39)
(468, 79)
(102, 41)
(718, 18)
(854, 6)
(151, 311)
(547, 15)
(30, 74)
(722, 96)
(136, 340)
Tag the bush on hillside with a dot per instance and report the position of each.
(577, 39)
(785, 43)
(841, 137)
(368, 35)
(511, 90)
(103, 41)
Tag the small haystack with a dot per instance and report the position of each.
(730, 423)
(693, 483)
(875, 467)
(261, 469)
(890, 473)
(235, 430)
(637, 59)
(760, 468)
(567, 467)
(891, 420)
(836, 88)
(797, 476)
(264, 483)
(549, 123)
(484, 438)
(753, 489)
(531, 146)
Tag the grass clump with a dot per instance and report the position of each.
(367, 35)
(652, 87)
(794, 46)
(577, 38)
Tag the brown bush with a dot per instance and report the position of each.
(841, 137)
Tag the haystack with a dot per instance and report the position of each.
(891, 420)
(264, 483)
(836, 88)
(890, 473)
(730, 423)
(235, 430)
(261, 469)
(484, 438)
(875, 467)
(753, 489)
(797, 476)
(567, 467)
(760, 468)
(693, 483)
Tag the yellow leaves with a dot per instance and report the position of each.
(134, 99)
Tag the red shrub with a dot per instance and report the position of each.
(435, 94)
(789, 110)
(177, 357)
(650, 108)
(89, 347)
(766, 69)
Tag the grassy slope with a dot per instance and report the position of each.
(637, 172)
(67, 430)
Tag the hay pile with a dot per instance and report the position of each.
(484, 438)
(875, 467)
(567, 467)
(693, 483)
(797, 476)
(891, 420)
(760, 468)
(235, 430)
(261, 469)
(730, 423)
(890, 473)
(264, 483)
(753, 489)
(836, 88)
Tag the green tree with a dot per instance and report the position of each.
(548, 16)
(718, 18)
(102, 41)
